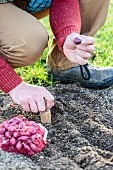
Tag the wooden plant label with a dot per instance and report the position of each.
(45, 116)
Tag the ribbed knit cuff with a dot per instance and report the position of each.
(8, 79)
(62, 34)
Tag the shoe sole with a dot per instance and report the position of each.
(66, 80)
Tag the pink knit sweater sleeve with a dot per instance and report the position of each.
(64, 19)
(8, 77)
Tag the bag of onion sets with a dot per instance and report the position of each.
(22, 136)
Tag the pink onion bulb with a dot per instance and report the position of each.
(22, 136)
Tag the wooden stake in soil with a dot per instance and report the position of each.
(45, 116)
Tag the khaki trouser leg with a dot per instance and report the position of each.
(93, 16)
(22, 37)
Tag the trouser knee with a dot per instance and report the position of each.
(27, 52)
(22, 38)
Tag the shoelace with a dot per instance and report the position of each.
(78, 41)
(82, 67)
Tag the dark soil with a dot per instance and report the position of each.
(80, 136)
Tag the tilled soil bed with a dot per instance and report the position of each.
(80, 136)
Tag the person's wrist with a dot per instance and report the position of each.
(17, 88)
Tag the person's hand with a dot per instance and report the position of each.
(32, 98)
(80, 53)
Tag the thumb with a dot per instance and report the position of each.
(49, 98)
(70, 41)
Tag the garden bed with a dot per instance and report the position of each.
(80, 136)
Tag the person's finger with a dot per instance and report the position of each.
(69, 44)
(77, 59)
(87, 40)
(72, 36)
(33, 106)
(80, 60)
(49, 99)
(83, 54)
(86, 48)
(40, 103)
(48, 96)
(49, 104)
(25, 106)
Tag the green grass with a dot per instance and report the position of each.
(36, 74)
(104, 42)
